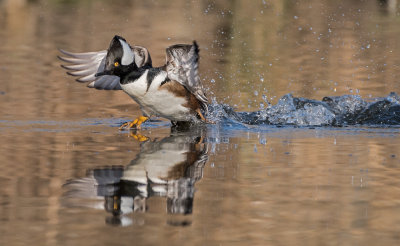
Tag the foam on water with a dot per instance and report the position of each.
(344, 110)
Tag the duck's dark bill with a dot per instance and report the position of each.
(105, 72)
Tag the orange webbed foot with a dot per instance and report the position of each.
(134, 124)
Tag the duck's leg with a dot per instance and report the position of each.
(198, 111)
(134, 124)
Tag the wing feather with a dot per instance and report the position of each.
(84, 55)
(87, 78)
(183, 65)
(86, 65)
(77, 67)
(83, 72)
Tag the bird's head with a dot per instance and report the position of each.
(120, 58)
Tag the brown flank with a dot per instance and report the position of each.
(180, 91)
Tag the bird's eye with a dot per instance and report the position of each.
(116, 64)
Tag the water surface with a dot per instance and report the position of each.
(69, 177)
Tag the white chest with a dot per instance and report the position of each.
(157, 101)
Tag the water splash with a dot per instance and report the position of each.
(330, 111)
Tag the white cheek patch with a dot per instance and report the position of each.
(128, 56)
(138, 59)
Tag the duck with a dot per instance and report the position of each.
(168, 167)
(173, 91)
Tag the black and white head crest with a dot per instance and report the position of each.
(120, 51)
(127, 55)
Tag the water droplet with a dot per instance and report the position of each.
(295, 17)
(264, 97)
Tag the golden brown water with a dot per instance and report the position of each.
(256, 185)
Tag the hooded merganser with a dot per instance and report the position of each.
(173, 91)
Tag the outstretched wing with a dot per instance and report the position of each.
(183, 65)
(86, 65)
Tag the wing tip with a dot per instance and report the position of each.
(196, 47)
(64, 59)
(80, 80)
(92, 85)
(62, 51)
(70, 73)
(65, 67)
(67, 53)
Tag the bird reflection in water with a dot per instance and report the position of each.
(169, 168)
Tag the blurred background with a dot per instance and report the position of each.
(309, 48)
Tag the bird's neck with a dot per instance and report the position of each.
(132, 74)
